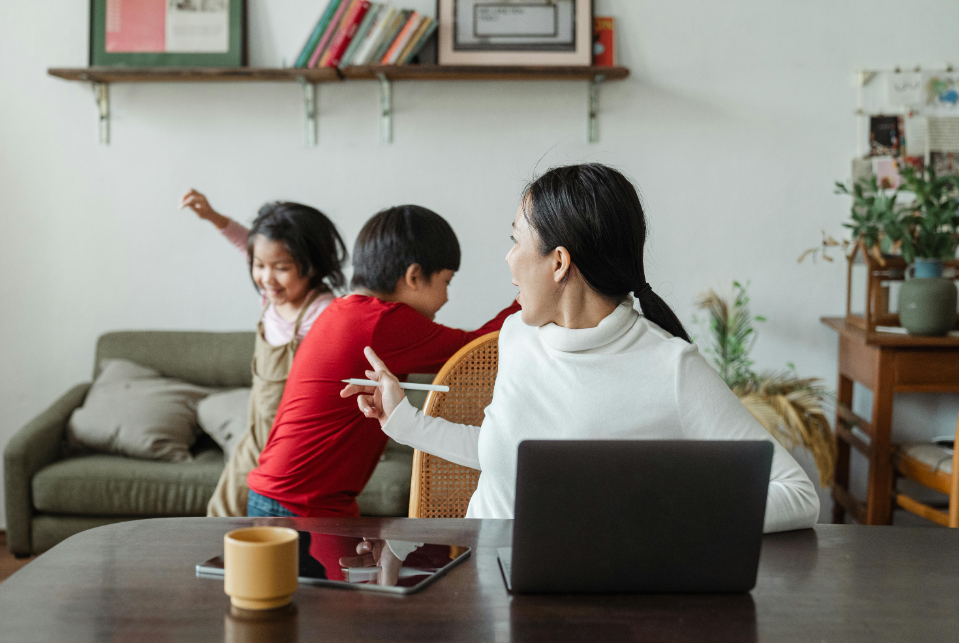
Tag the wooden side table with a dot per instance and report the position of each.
(886, 363)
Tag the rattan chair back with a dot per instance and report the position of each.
(439, 488)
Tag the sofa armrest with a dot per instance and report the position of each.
(33, 447)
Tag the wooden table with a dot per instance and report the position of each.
(886, 363)
(135, 582)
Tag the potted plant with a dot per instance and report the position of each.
(788, 406)
(927, 301)
(923, 230)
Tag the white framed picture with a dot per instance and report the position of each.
(515, 32)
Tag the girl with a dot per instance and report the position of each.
(580, 362)
(295, 256)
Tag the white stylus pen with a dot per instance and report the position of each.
(407, 385)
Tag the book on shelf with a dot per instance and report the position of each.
(345, 17)
(365, 52)
(604, 41)
(347, 31)
(399, 20)
(318, 30)
(361, 32)
(401, 40)
(420, 38)
(328, 34)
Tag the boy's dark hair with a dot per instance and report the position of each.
(396, 238)
(309, 235)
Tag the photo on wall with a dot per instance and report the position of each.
(944, 163)
(885, 136)
(164, 33)
(515, 32)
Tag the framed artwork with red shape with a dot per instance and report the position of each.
(168, 33)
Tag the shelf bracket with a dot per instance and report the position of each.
(101, 94)
(309, 107)
(593, 120)
(386, 110)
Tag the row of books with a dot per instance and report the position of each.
(360, 32)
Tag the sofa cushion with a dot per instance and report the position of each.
(388, 491)
(110, 485)
(133, 411)
(225, 417)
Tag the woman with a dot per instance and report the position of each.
(580, 362)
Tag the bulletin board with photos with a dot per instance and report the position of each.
(168, 33)
(907, 118)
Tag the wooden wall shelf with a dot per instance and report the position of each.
(309, 79)
(449, 72)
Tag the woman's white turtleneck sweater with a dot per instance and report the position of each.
(624, 379)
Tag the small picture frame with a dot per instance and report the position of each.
(515, 32)
(168, 33)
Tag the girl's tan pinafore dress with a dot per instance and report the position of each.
(271, 367)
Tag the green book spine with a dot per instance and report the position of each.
(317, 33)
(361, 34)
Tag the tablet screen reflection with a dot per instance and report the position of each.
(365, 561)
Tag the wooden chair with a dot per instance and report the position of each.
(934, 467)
(439, 488)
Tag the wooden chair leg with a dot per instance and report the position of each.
(954, 487)
(841, 470)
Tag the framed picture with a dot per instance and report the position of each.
(515, 32)
(168, 33)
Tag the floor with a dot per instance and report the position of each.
(9, 564)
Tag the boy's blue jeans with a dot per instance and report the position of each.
(258, 506)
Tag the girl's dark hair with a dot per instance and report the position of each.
(396, 238)
(594, 212)
(312, 239)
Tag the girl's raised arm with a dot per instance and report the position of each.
(233, 231)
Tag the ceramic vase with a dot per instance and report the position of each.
(927, 301)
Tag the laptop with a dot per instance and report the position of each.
(637, 516)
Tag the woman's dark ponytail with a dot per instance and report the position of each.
(659, 312)
(594, 212)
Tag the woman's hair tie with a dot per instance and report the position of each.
(642, 291)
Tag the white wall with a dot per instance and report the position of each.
(735, 121)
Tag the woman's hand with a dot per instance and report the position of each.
(377, 401)
(199, 204)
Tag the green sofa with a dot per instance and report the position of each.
(51, 495)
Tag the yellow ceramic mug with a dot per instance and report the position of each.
(261, 565)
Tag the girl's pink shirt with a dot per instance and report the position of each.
(276, 330)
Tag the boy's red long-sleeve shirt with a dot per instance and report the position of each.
(322, 449)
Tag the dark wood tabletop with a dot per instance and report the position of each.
(136, 582)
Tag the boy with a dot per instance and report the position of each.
(322, 450)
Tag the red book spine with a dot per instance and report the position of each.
(346, 34)
(329, 34)
(604, 42)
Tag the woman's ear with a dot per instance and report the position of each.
(562, 264)
(414, 277)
